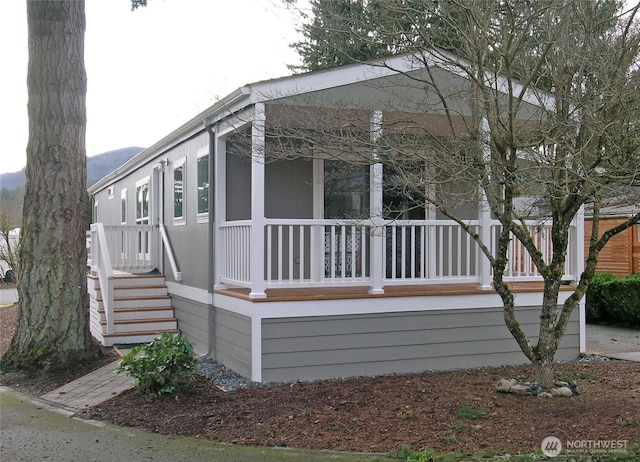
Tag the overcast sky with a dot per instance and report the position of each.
(152, 69)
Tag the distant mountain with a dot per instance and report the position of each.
(97, 167)
(102, 164)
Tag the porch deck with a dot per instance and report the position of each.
(345, 293)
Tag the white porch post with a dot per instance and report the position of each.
(578, 265)
(578, 246)
(484, 219)
(376, 261)
(258, 221)
(220, 205)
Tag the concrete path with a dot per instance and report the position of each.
(34, 430)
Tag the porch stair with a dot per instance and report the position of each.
(142, 309)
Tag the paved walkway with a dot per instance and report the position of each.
(94, 388)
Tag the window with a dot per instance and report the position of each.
(142, 202)
(178, 192)
(203, 185)
(110, 192)
(346, 190)
(123, 206)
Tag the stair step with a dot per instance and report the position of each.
(145, 312)
(142, 309)
(129, 280)
(126, 338)
(133, 291)
(134, 298)
(133, 325)
(134, 302)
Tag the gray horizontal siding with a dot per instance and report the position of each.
(231, 334)
(192, 322)
(232, 341)
(333, 346)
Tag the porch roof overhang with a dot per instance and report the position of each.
(335, 83)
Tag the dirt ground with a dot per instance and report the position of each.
(448, 411)
(37, 383)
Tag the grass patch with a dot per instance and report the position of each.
(467, 412)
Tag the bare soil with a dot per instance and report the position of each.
(447, 411)
(37, 383)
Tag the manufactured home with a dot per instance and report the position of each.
(286, 267)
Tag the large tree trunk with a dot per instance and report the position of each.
(52, 324)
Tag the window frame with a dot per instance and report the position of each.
(180, 164)
(124, 206)
(202, 217)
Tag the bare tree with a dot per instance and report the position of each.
(533, 117)
(52, 325)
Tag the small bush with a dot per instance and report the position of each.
(165, 365)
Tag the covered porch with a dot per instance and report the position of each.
(300, 258)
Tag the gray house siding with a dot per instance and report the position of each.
(193, 322)
(370, 344)
(232, 341)
(189, 238)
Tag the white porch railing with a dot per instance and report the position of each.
(520, 266)
(131, 248)
(300, 253)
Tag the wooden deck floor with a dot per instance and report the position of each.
(339, 293)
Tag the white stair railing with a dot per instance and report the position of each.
(101, 264)
(172, 259)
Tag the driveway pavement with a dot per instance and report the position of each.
(8, 296)
(613, 342)
(33, 430)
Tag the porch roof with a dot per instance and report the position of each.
(317, 82)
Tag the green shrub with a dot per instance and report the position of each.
(623, 301)
(165, 365)
(614, 300)
(595, 304)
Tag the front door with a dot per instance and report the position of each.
(143, 218)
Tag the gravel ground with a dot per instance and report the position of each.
(230, 381)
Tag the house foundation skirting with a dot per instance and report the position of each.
(343, 337)
(306, 340)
